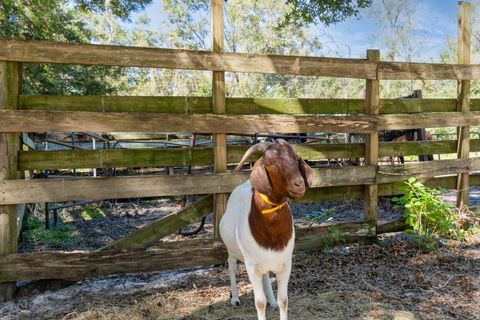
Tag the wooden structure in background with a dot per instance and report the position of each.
(463, 103)
(218, 106)
(219, 116)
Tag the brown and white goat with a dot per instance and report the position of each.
(257, 227)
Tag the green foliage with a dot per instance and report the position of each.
(428, 214)
(66, 21)
(121, 8)
(92, 212)
(333, 237)
(322, 11)
(59, 237)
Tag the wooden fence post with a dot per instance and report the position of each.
(10, 83)
(463, 100)
(372, 107)
(218, 100)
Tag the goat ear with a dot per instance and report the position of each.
(306, 172)
(259, 178)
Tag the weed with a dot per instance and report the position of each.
(59, 237)
(92, 212)
(429, 216)
(332, 237)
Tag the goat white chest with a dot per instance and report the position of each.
(237, 236)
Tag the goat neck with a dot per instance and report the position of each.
(271, 230)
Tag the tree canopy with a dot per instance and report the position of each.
(322, 11)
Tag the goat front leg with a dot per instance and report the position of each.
(258, 293)
(232, 269)
(267, 287)
(282, 295)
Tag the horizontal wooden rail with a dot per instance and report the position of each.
(48, 121)
(384, 189)
(89, 54)
(132, 158)
(35, 51)
(160, 256)
(189, 105)
(26, 191)
(427, 71)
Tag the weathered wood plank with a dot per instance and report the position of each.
(41, 121)
(189, 105)
(426, 169)
(21, 191)
(427, 71)
(219, 107)
(68, 53)
(162, 227)
(372, 107)
(428, 120)
(132, 158)
(463, 103)
(10, 87)
(158, 257)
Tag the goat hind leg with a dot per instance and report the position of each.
(267, 287)
(232, 269)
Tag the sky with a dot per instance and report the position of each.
(434, 22)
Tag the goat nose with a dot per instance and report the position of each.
(298, 182)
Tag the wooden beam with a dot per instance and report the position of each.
(427, 71)
(53, 190)
(133, 158)
(219, 107)
(41, 121)
(372, 107)
(463, 90)
(35, 51)
(428, 120)
(10, 86)
(162, 256)
(192, 105)
(146, 235)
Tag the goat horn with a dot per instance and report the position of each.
(259, 147)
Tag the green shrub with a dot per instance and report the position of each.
(91, 212)
(429, 216)
(58, 237)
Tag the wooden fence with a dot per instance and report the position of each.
(219, 116)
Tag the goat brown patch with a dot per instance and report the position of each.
(270, 230)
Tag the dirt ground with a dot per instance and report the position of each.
(121, 218)
(392, 279)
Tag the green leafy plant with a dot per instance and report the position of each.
(426, 212)
(91, 212)
(333, 236)
(33, 231)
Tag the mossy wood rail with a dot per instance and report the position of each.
(192, 105)
(125, 158)
(41, 121)
(22, 191)
(34, 51)
(157, 257)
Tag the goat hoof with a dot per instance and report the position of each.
(235, 302)
(273, 305)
